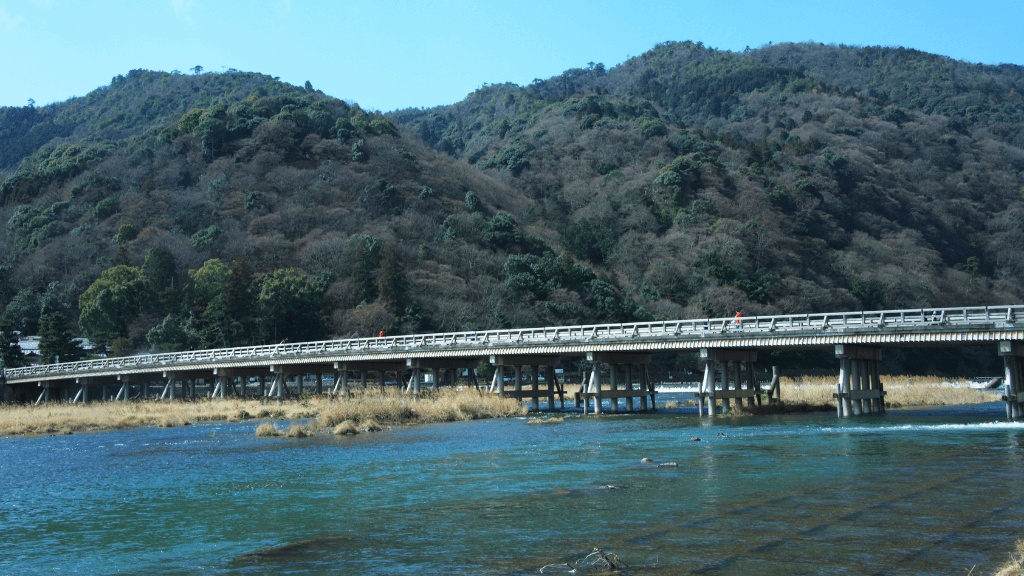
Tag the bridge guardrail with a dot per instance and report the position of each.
(939, 318)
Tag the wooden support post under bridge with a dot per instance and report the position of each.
(626, 388)
(728, 374)
(415, 378)
(83, 391)
(44, 396)
(122, 392)
(532, 388)
(859, 389)
(278, 383)
(1013, 381)
(340, 379)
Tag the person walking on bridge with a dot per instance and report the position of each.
(739, 315)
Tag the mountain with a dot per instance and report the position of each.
(794, 177)
(685, 182)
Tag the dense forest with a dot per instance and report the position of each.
(174, 211)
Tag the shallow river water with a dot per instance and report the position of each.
(913, 492)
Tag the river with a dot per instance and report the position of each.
(923, 491)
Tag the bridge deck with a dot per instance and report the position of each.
(917, 327)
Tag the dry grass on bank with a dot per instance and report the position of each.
(371, 410)
(65, 418)
(364, 412)
(900, 391)
(1015, 565)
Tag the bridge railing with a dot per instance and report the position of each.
(880, 320)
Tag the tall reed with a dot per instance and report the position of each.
(900, 391)
(367, 409)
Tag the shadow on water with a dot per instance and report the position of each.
(294, 551)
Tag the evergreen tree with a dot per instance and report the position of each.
(160, 272)
(240, 304)
(56, 340)
(205, 297)
(392, 284)
(363, 273)
(11, 355)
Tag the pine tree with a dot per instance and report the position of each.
(56, 340)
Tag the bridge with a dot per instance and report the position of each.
(525, 360)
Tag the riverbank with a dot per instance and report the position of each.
(900, 391)
(370, 409)
(390, 408)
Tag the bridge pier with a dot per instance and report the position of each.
(1013, 381)
(415, 377)
(277, 385)
(44, 396)
(537, 365)
(728, 375)
(168, 391)
(122, 393)
(83, 391)
(592, 389)
(340, 379)
(616, 362)
(221, 377)
(859, 389)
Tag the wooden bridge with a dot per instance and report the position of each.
(525, 360)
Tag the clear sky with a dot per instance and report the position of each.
(390, 54)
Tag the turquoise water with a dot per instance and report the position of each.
(912, 492)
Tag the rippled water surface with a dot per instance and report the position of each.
(912, 492)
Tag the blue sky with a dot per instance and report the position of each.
(390, 54)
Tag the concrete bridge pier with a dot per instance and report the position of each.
(728, 375)
(859, 389)
(1013, 381)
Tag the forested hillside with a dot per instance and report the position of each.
(794, 177)
(171, 211)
